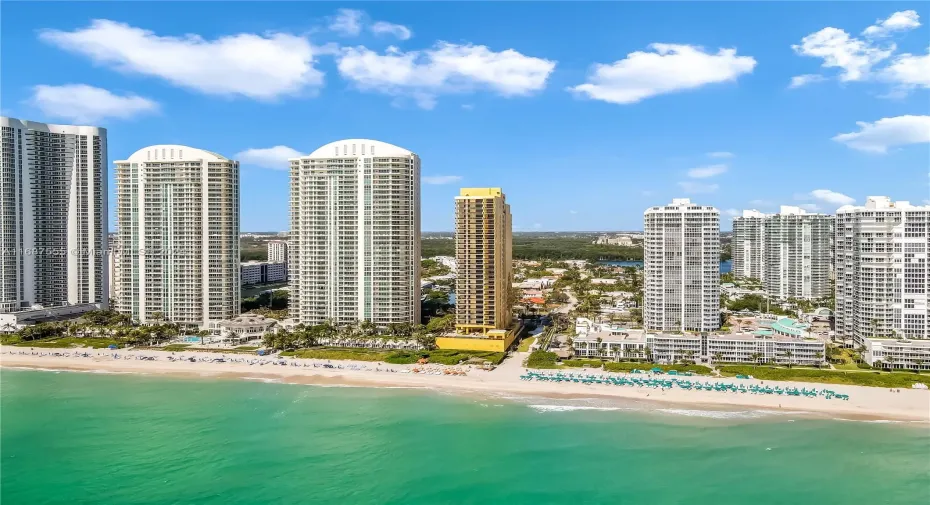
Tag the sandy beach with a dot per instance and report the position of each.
(865, 403)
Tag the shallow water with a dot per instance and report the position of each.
(127, 439)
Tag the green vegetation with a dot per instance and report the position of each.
(273, 300)
(254, 248)
(542, 359)
(525, 344)
(431, 268)
(247, 348)
(175, 347)
(625, 366)
(64, 342)
(397, 357)
(541, 247)
(582, 363)
(857, 378)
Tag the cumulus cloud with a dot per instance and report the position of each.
(720, 154)
(828, 196)
(810, 207)
(803, 80)
(708, 171)
(899, 21)
(83, 103)
(255, 66)
(274, 158)
(385, 28)
(442, 69)
(697, 187)
(732, 212)
(888, 132)
(861, 59)
(441, 179)
(667, 68)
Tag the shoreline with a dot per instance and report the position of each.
(865, 403)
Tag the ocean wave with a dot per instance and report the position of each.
(568, 408)
(720, 414)
(261, 379)
(37, 369)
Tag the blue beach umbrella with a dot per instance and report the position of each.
(112, 346)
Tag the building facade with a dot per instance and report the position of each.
(354, 243)
(748, 245)
(53, 215)
(682, 267)
(798, 254)
(483, 242)
(277, 251)
(261, 272)
(178, 222)
(882, 274)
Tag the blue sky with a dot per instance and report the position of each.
(585, 114)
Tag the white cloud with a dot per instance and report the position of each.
(83, 103)
(708, 171)
(445, 68)
(909, 70)
(888, 132)
(720, 154)
(468, 106)
(274, 158)
(732, 212)
(573, 212)
(810, 207)
(697, 187)
(899, 21)
(537, 225)
(441, 179)
(669, 68)
(826, 195)
(347, 22)
(838, 49)
(803, 80)
(256, 66)
(385, 28)
(647, 192)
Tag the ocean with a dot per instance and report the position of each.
(83, 438)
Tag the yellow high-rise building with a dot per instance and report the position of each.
(483, 241)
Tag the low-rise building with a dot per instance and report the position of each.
(261, 272)
(12, 321)
(614, 342)
(243, 328)
(904, 353)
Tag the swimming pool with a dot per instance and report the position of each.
(192, 339)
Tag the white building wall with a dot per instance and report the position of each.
(178, 221)
(354, 244)
(682, 267)
(53, 215)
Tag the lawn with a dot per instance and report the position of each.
(872, 378)
(64, 342)
(247, 348)
(399, 357)
(625, 366)
(525, 344)
(175, 347)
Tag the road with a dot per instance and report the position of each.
(568, 307)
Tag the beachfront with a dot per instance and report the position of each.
(862, 403)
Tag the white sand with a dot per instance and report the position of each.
(864, 402)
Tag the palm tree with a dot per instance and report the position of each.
(917, 363)
(788, 355)
(756, 356)
(718, 357)
(819, 356)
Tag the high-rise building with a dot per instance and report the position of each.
(682, 267)
(178, 219)
(882, 274)
(790, 252)
(277, 251)
(53, 215)
(354, 243)
(747, 245)
(113, 273)
(483, 240)
(798, 249)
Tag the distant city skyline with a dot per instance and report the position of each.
(815, 105)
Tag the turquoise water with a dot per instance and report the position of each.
(72, 438)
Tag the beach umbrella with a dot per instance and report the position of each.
(112, 346)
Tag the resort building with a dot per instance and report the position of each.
(243, 328)
(13, 321)
(747, 245)
(791, 252)
(277, 251)
(682, 267)
(483, 241)
(354, 244)
(177, 216)
(613, 342)
(262, 272)
(53, 215)
(882, 274)
(899, 354)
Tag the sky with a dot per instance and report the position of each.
(585, 114)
